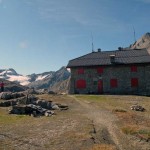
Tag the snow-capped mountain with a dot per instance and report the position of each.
(39, 81)
(48, 80)
(11, 75)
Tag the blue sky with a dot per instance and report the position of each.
(43, 35)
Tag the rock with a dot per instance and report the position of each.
(51, 92)
(32, 91)
(18, 109)
(34, 114)
(62, 107)
(137, 108)
(9, 95)
(5, 95)
(49, 113)
(5, 103)
(31, 99)
(55, 106)
(17, 95)
(21, 101)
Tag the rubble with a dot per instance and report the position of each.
(30, 110)
(10, 95)
(137, 108)
(32, 105)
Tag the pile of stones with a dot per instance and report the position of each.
(29, 104)
(31, 109)
(137, 108)
(10, 95)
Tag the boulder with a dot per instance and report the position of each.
(137, 108)
(49, 113)
(54, 106)
(10, 95)
(5, 95)
(5, 103)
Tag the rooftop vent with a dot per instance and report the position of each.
(98, 50)
(112, 58)
(120, 48)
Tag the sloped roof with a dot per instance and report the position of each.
(103, 58)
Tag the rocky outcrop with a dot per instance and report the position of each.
(31, 105)
(9, 95)
(52, 81)
(143, 42)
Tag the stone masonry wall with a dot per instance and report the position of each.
(123, 75)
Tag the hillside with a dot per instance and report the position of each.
(61, 87)
(57, 81)
(12, 86)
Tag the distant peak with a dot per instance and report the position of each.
(11, 71)
(147, 34)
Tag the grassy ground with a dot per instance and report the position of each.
(66, 130)
(131, 122)
(70, 129)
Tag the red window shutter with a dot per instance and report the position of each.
(134, 82)
(100, 70)
(133, 68)
(113, 83)
(81, 84)
(81, 71)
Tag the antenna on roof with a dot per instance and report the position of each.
(92, 43)
(134, 34)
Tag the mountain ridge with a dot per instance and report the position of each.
(45, 80)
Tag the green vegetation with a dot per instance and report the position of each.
(134, 130)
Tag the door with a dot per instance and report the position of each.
(100, 86)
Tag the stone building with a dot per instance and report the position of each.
(111, 72)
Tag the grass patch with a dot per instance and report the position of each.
(8, 119)
(96, 98)
(131, 130)
(143, 134)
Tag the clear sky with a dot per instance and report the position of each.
(43, 35)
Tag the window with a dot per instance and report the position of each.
(134, 82)
(81, 71)
(81, 84)
(100, 70)
(133, 68)
(113, 83)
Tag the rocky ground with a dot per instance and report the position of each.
(90, 123)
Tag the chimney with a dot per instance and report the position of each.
(98, 50)
(112, 58)
(120, 48)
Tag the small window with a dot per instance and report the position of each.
(81, 71)
(100, 70)
(113, 83)
(81, 84)
(133, 68)
(134, 82)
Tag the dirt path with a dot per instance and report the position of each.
(106, 130)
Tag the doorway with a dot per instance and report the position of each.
(100, 87)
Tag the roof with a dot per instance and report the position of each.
(103, 58)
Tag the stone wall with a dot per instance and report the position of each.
(123, 75)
